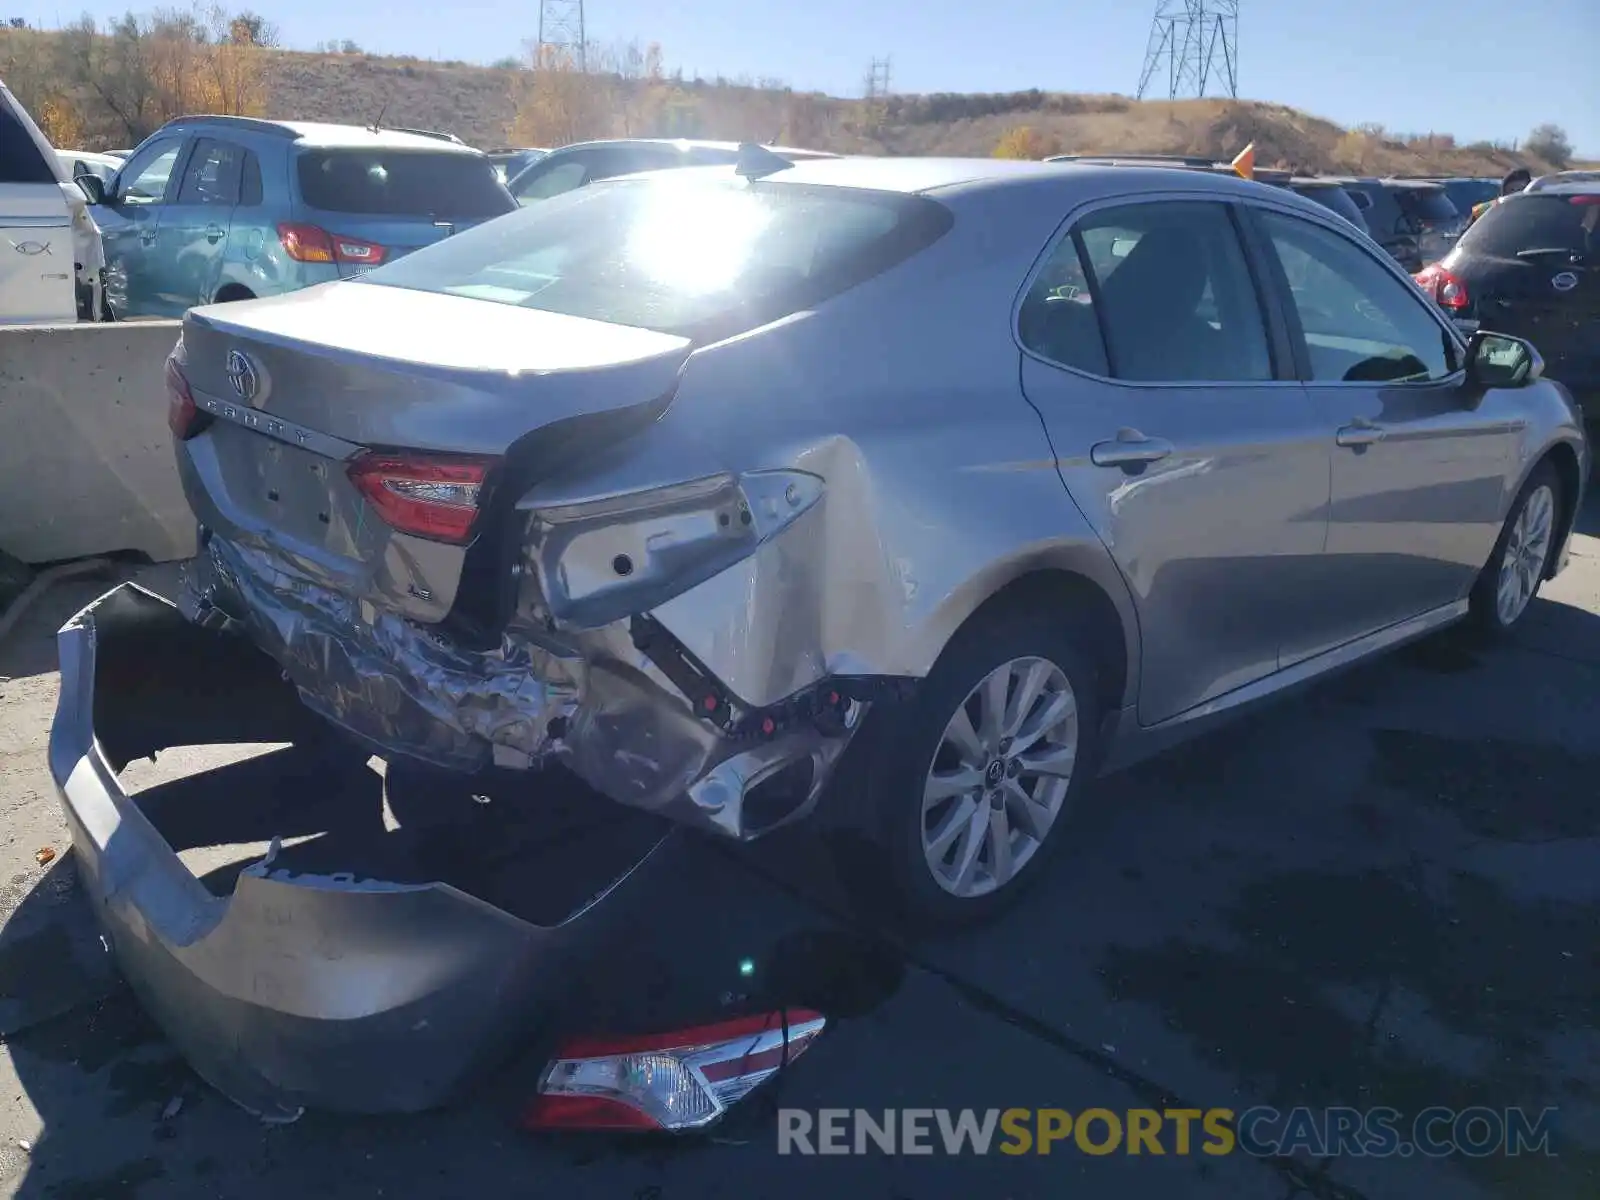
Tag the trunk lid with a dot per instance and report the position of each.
(300, 385)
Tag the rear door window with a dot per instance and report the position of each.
(401, 183)
(1176, 298)
(1533, 221)
(1057, 320)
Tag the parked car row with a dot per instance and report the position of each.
(217, 209)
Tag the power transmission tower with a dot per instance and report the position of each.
(878, 79)
(561, 28)
(1188, 39)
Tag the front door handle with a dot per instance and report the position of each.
(214, 233)
(1130, 448)
(1359, 433)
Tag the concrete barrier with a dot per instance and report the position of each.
(86, 464)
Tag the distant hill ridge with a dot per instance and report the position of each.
(478, 104)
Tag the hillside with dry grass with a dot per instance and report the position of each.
(109, 86)
(480, 104)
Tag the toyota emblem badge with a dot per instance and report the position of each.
(243, 376)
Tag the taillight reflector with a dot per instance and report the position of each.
(313, 244)
(183, 417)
(431, 496)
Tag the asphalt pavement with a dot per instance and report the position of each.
(1383, 892)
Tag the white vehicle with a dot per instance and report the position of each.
(51, 260)
(87, 162)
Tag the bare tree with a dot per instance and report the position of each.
(1550, 142)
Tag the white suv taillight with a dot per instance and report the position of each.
(676, 1081)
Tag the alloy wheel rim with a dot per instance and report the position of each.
(999, 777)
(1527, 549)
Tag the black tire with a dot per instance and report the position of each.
(1485, 616)
(15, 577)
(902, 745)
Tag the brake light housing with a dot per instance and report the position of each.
(1444, 288)
(671, 1082)
(184, 418)
(431, 496)
(314, 244)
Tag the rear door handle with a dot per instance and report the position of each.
(1360, 433)
(214, 233)
(1130, 448)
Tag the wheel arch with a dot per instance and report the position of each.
(232, 291)
(1569, 470)
(1082, 583)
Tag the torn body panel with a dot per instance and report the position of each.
(340, 990)
(595, 701)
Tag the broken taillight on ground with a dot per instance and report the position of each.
(678, 1081)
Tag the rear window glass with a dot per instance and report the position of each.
(402, 183)
(1534, 221)
(690, 256)
(1426, 204)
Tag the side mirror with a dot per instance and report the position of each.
(1498, 360)
(93, 187)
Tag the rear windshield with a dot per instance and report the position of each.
(402, 183)
(1426, 204)
(678, 253)
(1534, 221)
(1332, 196)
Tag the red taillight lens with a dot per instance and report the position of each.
(431, 496)
(674, 1081)
(306, 243)
(1446, 290)
(1586, 199)
(313, 244)
(183, 418)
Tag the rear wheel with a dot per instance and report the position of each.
(975, 779)
(1521, 555)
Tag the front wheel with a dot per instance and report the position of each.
(981, 772)
(1521, 555)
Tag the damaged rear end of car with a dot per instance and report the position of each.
(403, 493)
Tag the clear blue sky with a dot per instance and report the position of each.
(1476, 68)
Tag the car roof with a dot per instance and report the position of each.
(1566, 183)
(687, 144)
(1570, 187)
(323, 135)
(944, 175)
(110, 160)
(1389, 181)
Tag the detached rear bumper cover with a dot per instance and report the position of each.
(593, 701)
(361, 995)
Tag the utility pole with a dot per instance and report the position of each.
(561, 27)
(1188, 39)
(878, 79)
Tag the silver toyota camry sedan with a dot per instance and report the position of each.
(916, 493)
